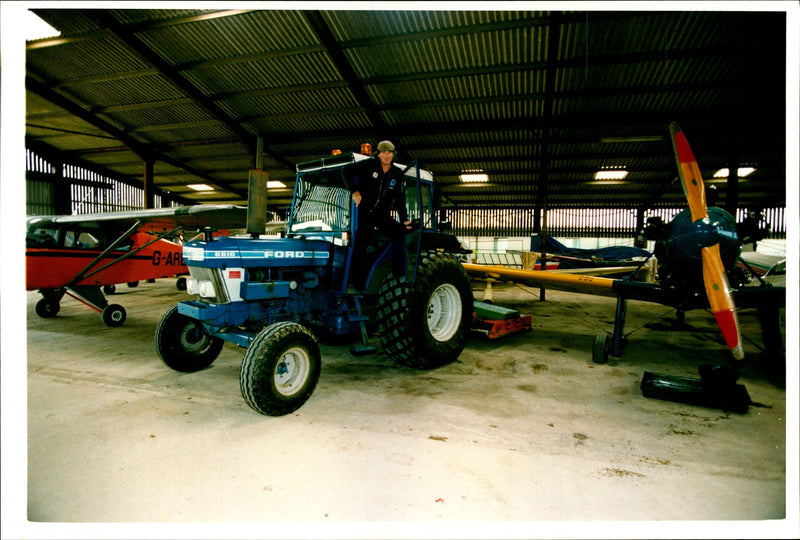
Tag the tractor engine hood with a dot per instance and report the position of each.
(257, 253)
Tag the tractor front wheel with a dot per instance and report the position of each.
(280, 369)
(183, 344)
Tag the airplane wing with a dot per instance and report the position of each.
(157, 219)
(569, 282)
(596, 271)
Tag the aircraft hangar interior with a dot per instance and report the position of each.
(457, 270)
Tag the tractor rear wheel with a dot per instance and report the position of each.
(280, 369)
(183, 344)
(426, 325)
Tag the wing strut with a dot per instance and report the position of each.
(85, 273)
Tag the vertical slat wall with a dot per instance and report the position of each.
(89, 191)
(576, 222)
(93, 192)
(39, 193)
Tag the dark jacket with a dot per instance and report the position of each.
(380, 192)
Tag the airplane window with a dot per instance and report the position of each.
(125, 246)
(41, 238)
(88, 241)
(81, 240)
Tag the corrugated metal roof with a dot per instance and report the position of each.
(528, 96)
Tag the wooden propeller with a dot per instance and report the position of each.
(716, 283)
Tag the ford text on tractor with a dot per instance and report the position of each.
(273, 296)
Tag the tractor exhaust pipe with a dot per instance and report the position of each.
(257, 202)
(257, 194)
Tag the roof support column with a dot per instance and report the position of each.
(553, 34)
(62, 192)
(732, 189)
(149, 199)
(638, 239)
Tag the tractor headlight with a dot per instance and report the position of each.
(202, 287)
(207, 283)
(206, 289)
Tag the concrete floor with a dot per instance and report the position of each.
(519, 430)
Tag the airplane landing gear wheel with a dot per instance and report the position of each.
(114, 315)
(600, 349)
(181, 283)
(280, 369)
(183, 344)
(46, 309)
(109, 289)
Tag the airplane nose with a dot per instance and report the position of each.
(705, 232)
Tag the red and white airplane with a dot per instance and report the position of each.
(84, 256)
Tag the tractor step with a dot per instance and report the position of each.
(362, 350)
(364, 347)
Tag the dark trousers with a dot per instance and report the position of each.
(368, 224)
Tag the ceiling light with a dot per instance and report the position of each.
(200, 187)
(635, 139)
(607, 183)
(37, 28)
(742, 171)
(610, 174)
(475, 175)
(275, 184)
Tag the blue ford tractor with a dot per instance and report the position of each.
(274, 296)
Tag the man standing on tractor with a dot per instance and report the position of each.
(378, 189)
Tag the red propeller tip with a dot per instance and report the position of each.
(726, 320)
(682, 148)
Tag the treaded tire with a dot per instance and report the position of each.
(47, 309)
(280, 369)
(427, 325)
(600, 348)
(183, 344)
(114, 315)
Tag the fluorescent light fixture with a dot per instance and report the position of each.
(635, 139)
(275, 184)
(36, 28)
(607, 183)
(742, 172)
(200, 187)
(610, 174)
(476, 175)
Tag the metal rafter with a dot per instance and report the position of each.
(166, 70)
(335, 51)
(141, 149)
(128, 36)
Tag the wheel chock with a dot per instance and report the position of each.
(716, 389)
(496, 321)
